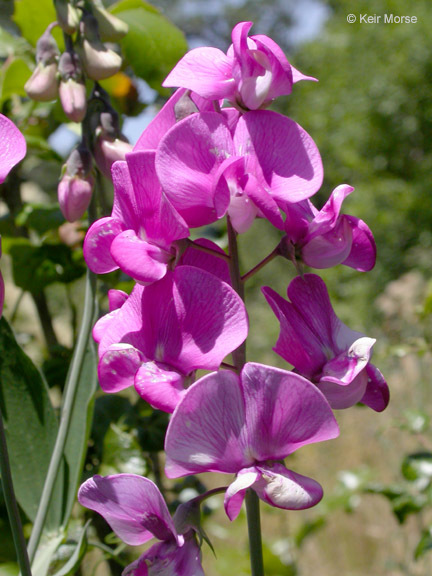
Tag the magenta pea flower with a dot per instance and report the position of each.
(164, 332)
(324, 238)
(211, 164)
(254, 71)
(140, 235)
(324, 349)
(136, 511)
(12, 150)
(246, 424)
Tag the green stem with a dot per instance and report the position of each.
(260, 265)
(254, 529)
(66, 413)
(11, 505)
(239, 358)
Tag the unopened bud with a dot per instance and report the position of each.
(184, 107)
(68, 16)
(76, 186)
(42, 85)
(111, 28)
(47, 51)
(72, 89)
(99, 61)
(107, 151)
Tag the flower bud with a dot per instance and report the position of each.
(72, 89)
(108, 151)
(42, 84)
(111, 28)
(76, 186)
(99, 61)
(68, 16)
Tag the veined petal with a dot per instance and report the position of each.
(363, 252)
(141, 260)
(97, 245)
(196, 257)
(132, 506)
(160, 387)
(298, 344)
(331, 248)
(286, 489)
(236, 491)
(342, 369)
(206, 71)
(168, 559)
(118, 366)
(205, 431)
(284, 411)
(341, 395)
(377, 394)
(12, 146)
(288, 157)
(186, 162)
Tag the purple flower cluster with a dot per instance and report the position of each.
(214, 151)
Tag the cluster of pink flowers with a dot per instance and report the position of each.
(215, 151)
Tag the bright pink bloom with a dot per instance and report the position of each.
(140, 235)
(246, 425)
(12, 146)
(136, 511)
(12, 150)
(210, 164)
(325, 238)
(164, 332)
(323, 349)
(254, 71)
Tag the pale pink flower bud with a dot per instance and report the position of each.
(76, 186)
(99, 61)
(72, 89)
(111, 28)
(42, 85)
(68, 16)
(108, 151)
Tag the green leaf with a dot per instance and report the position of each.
(13, 79)
(35, 267)
(424, 544)
(74, 561)
(418, 465)
(11, 45)
(9, 569)
(30, 423)
(122, 453)
(45, 553)
(32, 18)
(40, 217)
(153, 45)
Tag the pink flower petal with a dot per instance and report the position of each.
(195, 257)
(97, 245)
(330, 249)
(12, 146)
(160, 387)
(205, 430)
(236, 492)
(144, 262)
(286, 489)
(284, 412)
(341, 395)
(289, 158)
(118, 366)
(132, 506)
(187, 159)
(206, 71)
(377, 395)
(363, 252)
